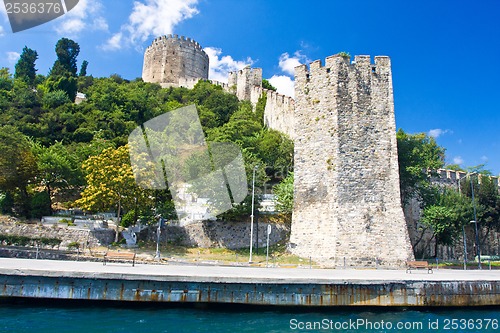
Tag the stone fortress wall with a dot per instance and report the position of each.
(175, 61)
(279, 111)
(347, 206)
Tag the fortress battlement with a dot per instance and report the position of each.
(451, 177)
(184, 41)
(276, 97)
(333, 64)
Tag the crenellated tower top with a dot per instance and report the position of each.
(174, 60)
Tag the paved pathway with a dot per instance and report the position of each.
(231, 274)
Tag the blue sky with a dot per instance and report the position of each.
(445, 54)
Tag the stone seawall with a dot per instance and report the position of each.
(249, 285)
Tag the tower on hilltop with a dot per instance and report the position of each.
(347, 206)
(174, 61)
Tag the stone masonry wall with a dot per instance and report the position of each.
(92, 238)
(206, 234)
(175, 61)
(347, 200)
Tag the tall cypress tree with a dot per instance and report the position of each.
(67, 52)
(63, 74)
(25, 67)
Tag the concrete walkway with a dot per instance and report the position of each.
(193, 273)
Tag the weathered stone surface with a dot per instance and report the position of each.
(175, 61)
(86, 238)
(207, 234)
(347, 201)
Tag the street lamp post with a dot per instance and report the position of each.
(465, 248)
(251, 216)
(478, 248)
(158, 234)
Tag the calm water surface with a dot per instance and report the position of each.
(115, 318)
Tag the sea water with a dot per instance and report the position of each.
(117, 318)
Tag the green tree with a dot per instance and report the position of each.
(446, 216)
(53, 99)
(62, 75)
(487, 200)
(284, 194)
(267, 85)
(41, 205)
(57, 167)
(17, 167)
(260, 108)
(67, 52)
(25, 67)
(418, 155)
(83, 69)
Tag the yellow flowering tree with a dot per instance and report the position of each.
(111, 183)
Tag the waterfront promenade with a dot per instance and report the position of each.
(246, 285)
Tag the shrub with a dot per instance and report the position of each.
(74, 245)
(40, 205)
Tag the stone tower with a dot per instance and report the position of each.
(246, 80)
(347, 208)
(175, 61)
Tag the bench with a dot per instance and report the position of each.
(417, 265)
(119, 255)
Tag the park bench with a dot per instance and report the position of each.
(418, 265)
(119, 255)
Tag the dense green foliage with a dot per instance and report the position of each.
(53, 137)
(284, 195)
(419, 156)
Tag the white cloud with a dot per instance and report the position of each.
(221, 66)
(12, 57)
(458, 160)
(287, 64)
(86, 16)
(151, 18)
(5, 18)
(437, 132)
(114, 43)
(284, 84)
(484, 158)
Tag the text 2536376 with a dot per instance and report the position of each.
(33, 8)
